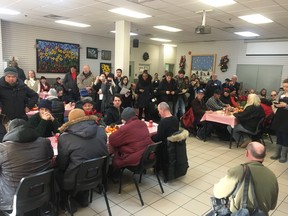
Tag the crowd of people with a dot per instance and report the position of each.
(110, 99)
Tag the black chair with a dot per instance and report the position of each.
(267, 123)
(33, 192)
(254, 135)
(147, 161)
(92, 173)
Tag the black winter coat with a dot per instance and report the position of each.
(144, 97)
(82, 140)
(168, 86)
(113, 115)
(22, 153)
(14, 99)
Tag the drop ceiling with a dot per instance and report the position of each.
(176, 13)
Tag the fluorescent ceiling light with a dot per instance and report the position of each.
(246, 34)
(66, 22)
(131, 33)
(256, 19)
(167, 28)
(170, 45)
(160, 39)
(218, 3)
(130, 13)
(8, 11)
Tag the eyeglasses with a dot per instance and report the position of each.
(273, 95)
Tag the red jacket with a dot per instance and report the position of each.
(130, 142)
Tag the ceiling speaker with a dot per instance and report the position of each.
(135, 43)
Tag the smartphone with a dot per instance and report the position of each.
(276, 102)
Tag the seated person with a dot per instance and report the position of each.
(76, 145)
(225, 96)
(43, 121)
(266, 106)
(58, 108)
(233, 97)
(214, 103)
(88, 107)
(113, 113)
(130, 140)
(248, 119)
(168, 124)
(23, 152)
(198, 106)
(3, 126)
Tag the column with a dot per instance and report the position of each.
(122, 46)
(1, 50)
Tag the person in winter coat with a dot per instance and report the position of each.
(130, 140)
(113, 113)
(144, 90)
(22, 153)
(108, 89)
(85, 81)
(43, 121)
(58, 107)
(81, 139)
(70, 84)
(16, 98)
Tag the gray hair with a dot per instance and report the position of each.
(164, 106)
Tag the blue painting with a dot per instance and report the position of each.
(203, 63)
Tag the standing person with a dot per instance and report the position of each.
(75, 146)
(108, 89)
(182, 89)
(212, 85)
(85, 82)
(234, 84)
(44, 85)
(32, 82)
(168, 90)
(144, 89)
(125, 92)
(59, 84)
(118, 77)
(21, 74)
(70, 84)
(22, 153)
(265, 182)
(16, 99)
(280, 125)
(98, 92)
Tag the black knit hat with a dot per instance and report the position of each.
(128, 113)
(10, 70)
(45, 104)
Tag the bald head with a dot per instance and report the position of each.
(256, 151)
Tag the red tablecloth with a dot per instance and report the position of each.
(67, 110)
(220, 117)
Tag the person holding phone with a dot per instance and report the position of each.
(280, 125)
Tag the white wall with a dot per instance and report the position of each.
(236, 51)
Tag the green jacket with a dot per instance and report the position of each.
(266, 187)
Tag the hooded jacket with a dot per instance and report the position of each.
(14, 99)
(82, 140)
(22, 153)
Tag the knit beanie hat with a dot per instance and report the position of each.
(10, 70)
(45, 104)
(87, 100)
(15, 123)
(52, 92)
(128, 113)
(75, 114)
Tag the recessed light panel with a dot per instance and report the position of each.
(218, 3)
(256, 19)
(131, 33)
(130, 13)
(167, 28)
(161, 40)
(8, 11)
(247, 34)
(66, 22)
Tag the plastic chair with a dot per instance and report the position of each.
(148, 160)
(251, 134)
(33, 192)
(91, 175)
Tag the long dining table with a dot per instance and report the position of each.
(223, 118)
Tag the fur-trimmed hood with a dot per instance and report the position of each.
(65, 126)
(178, 136)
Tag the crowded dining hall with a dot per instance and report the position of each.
(143, 107)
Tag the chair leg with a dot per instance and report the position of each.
(137, 187)
(239, 140)
(159, 182)
(91, 195)
(120, 181)
(102, 189)
(69, 205)
(270, 138)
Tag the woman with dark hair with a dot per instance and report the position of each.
(125, 92)
(144, 89)
(280, 125)
(263, 93)
(44, 85)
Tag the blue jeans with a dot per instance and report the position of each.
(179, 104)
(238, 128)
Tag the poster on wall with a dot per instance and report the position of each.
(142, 67)
(56, 57)
(105, 67)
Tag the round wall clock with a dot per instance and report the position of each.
(145, 56)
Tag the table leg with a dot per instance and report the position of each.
(205, 131)
(231, 136)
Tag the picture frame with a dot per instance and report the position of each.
(105, 67)
(91, 53)
(203, 66)
(106, 55)
(56, 57)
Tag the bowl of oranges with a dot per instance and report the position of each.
(111, 129)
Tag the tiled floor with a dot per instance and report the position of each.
(188, 195)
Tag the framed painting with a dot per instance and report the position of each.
(56, 57)
(203, 66)
(105, 67)
(106, 55)
(91, 53)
